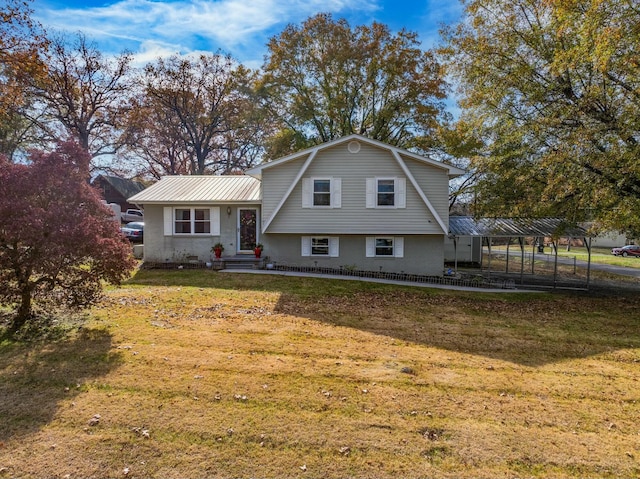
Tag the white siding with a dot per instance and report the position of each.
(435, 184)
(168, 220)
(307, 193)
(353, 216)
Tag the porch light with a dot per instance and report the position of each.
(229, 210)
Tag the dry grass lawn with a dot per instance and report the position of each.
(202, 374)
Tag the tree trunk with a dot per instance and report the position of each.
(24, 311)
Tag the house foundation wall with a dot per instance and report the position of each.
(423, 254)
(159, 248)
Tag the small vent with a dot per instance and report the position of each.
(354, 146)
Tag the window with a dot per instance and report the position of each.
(201, 221)
(321, 192)
(191, 221)
(328, 246)
(320, 246)
(386, 192)
(183, 221)
(385, 247)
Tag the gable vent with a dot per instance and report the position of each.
(353, 146)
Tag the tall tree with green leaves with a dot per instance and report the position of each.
(324, 80)
(551, 89)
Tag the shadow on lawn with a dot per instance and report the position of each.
(526, 329)
(36, 377)
(530, 333)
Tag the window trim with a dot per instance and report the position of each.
(397, 247)
(170, 220)
(391, 248)
(323, 193)
(335, 192)
(399, 192)
(317, 246)
(333, 250)
(378, 193)
(193, 221)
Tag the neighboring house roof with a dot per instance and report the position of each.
(123, 186)
(201, 189)
(513, 227)
(452, 170)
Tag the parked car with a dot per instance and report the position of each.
(132, 215)
(133, 231)
(629, 250)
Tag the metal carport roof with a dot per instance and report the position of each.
(513, 227)
(488, 228)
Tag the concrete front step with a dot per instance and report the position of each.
(241, 262)
(243, 265)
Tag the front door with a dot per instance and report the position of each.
(247, 229)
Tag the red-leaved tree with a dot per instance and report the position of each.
(58, 241)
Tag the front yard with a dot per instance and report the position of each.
(203, 374)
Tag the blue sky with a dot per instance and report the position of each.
(152, 28)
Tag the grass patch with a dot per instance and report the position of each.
(599, 255)
(193, 373)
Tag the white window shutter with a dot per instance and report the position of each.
(334, 246)
(214, 217)
(371, 192)
(371, 247)
(401, 192)
(168, 220)
(336, 192)
(398, 247)
(306, 246)
(307, 193)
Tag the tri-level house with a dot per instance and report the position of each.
(352, 202)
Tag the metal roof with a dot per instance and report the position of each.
(201, 189)
(513, 227)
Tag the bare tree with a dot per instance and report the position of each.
(85, 95)
(199, 111)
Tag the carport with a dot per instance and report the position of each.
(489, 229)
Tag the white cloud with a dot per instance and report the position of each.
(148, 28)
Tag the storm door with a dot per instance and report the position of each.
(247, 229)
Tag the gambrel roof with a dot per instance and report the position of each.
(353, 142)
(452, 170)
